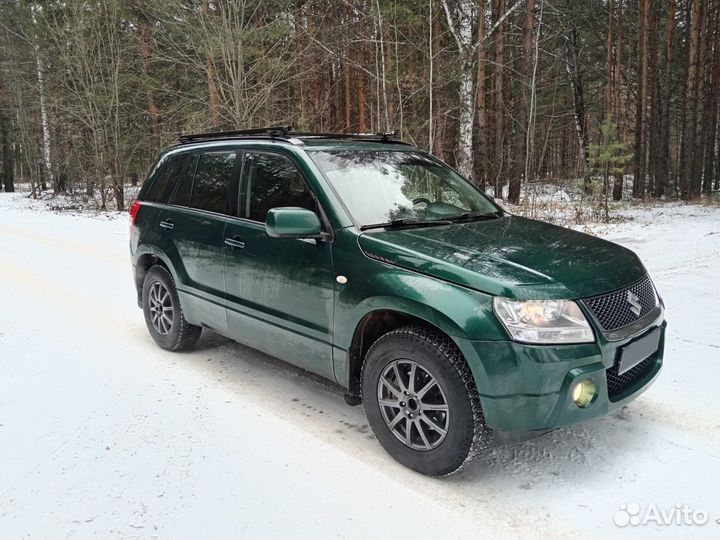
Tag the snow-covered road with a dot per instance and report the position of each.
(104, 434)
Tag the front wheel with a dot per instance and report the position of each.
(164, 316)
(421, 401)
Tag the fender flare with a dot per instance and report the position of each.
(347, 363)
(148, 250)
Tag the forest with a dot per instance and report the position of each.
(615, 98)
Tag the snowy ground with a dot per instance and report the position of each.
(104, 434)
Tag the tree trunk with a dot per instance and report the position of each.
(347, 73)
(146, 57)
(618, 95)
(572, 66)
(400, 105)
(215, 120)
(43, 179)
(316, 107)
(7, 179)
(8, 182)
(461, 15)
(47, 159)
(610, 63)
(347, 103)
(687, 184)
(498, 100)
(712, 83)
(661, 182)
(362, 126)
(716, 183)
(652, 116)
(438, 129)
(380, 31)
(480, 161)
(62, 180)
(641, 124)
(610, 82)
(119, 193)
(521, 130)
(701, 105)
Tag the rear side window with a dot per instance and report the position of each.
(271, 181)
(182, 195)
(212, 181)
(165, 178)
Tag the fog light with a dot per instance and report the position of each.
(584, 393)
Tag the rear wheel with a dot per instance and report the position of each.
(421, 401)
(164, 316)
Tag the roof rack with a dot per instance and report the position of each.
(273, 131)
(286, 133)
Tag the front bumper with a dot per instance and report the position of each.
(527, 387)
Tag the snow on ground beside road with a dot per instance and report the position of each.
(104, 434)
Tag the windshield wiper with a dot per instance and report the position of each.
(475, 216)
(406, 222)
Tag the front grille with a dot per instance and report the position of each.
(612, 310)
(617, 383)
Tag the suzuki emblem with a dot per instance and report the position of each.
(634, 301)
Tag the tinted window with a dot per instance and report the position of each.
(212, 180)
(182, 195)
(165, 179)
(272, 181)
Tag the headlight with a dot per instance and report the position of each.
(543, 321)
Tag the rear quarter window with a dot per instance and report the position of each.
(163, 182)
(182, 195)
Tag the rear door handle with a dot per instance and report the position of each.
(167, 224)
(235, 241)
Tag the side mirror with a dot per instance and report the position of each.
(292, 222)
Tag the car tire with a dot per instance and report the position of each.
(164, 316)
(441, 441)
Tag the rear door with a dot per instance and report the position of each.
(154, 195)
(193, 226)
(279, 290)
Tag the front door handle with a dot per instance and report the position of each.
(167, 224)
(235, 241)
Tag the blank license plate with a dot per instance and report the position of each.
(637, 351)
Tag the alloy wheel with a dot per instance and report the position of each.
(161, 308)
(413, 405)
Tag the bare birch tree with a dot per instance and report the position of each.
(461, 15)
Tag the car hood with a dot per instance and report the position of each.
(511, 256)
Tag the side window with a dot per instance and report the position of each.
(212, 181)
(270, 181)
(165, 179)
(182, 195)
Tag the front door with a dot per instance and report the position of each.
(279, 290)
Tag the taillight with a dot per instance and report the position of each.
(134, 210)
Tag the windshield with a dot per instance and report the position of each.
(380, 187)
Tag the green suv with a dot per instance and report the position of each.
(373, 264)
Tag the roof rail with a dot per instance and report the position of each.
(383, 136)
(286, 133)
(273, 131)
